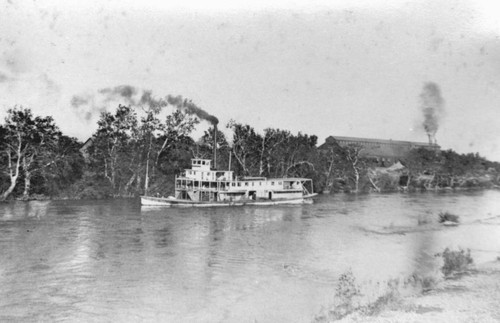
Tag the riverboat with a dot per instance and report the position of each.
(201, 186)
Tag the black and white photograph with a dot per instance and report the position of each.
(250, 161)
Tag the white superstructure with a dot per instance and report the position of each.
(202, 184)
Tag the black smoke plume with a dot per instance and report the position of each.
(122, 92)
(79, 100)
(432, 107)
(86, 105)
(191, 108)
(128, 95)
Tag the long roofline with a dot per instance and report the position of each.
(385, 141)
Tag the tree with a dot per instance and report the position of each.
(178, 124)
(6, 170)
(245, 141)
(66, 168)
(276, 153)
(422, 165)
(344, 165)
(27, 146)
(143, 142)
(357, 165)
(300, 152)
(111, 149)
(271, 150)
(205, 148)
(332, 159)
(178, 157)
(452, 166)
(13, 144)
(39, 152)
(127, 151)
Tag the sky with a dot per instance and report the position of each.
(345, 68)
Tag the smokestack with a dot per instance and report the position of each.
(215, 146)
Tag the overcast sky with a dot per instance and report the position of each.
(351, 68)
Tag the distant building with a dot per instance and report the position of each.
(386, 152)
(85, 148)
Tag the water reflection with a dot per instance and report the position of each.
(32, 209)
(163, 237)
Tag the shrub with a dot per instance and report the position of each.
(447, 217)
(349, 300)
(90, 186)
(347, 288)
(421, 282)
(387, 182)
(386, 300)
(455, 261)
(423, 219)
(345, 294)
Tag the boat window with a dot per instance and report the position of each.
(272, 183)
(232, 184)
(280, 183)
(260, 183)
(239, 184)
(246, 183)
(252, 183)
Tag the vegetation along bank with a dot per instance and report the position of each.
(133, 152)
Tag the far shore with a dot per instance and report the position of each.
(401, 190)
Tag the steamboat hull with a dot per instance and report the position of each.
(173, 202)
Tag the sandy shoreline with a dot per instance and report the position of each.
(474, 297)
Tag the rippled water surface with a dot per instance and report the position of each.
(113, 261)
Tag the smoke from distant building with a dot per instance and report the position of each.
(432, 106)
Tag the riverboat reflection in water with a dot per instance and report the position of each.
(113, 261)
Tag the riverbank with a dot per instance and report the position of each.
(471, 297)
(92, 194)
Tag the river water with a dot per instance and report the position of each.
(97, 261)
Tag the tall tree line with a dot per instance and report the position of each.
(139, 151)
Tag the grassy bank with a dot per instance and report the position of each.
(463, 293)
